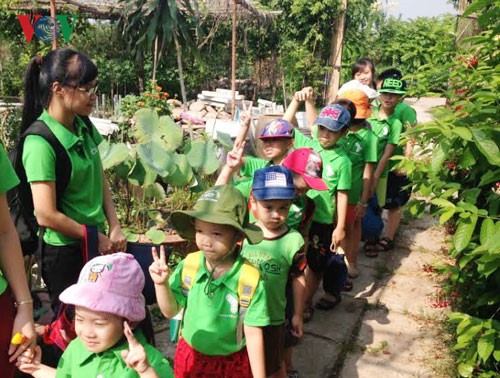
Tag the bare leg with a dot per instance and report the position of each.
(313, 280)
(393, 221)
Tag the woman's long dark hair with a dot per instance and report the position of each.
(66, 66)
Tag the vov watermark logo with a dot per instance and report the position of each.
(46, 28)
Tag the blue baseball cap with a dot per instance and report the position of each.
(334, 117)
(278, 128)
(274, 182)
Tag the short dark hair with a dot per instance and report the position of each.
(391, 72)
(361, 64)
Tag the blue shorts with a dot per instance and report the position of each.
(397, 196)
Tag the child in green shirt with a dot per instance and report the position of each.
(108, 303)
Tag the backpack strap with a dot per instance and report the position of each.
(63, 165)
(190, 270)
(247, 284)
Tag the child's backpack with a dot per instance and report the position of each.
(20, 199)
(372, 223)
(247, 284)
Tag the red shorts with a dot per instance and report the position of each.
(8, 312)
(188, 363)
(351, 214)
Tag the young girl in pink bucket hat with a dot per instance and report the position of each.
(108, 304)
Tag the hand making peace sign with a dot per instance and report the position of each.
(135, 357)
(159, 270)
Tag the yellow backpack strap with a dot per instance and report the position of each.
(247, 284)
(189, 271)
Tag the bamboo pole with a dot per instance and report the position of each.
(54, 29)
(233, 62)
(336, 54)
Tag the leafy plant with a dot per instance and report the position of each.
(460, 172)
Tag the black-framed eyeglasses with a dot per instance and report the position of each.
(89, 91)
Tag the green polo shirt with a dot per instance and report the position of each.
(8, 181)
(387, 131)
(274, 258)
(78, 362)
(295, 213)
(252, 164)
(361, 148)
(83, 199)
(337, 174)
(211, 311)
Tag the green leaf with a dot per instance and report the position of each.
(496, 355)
(438, 160)
(465, 370)
(155, 191)
(183, 173)
(467, 159)
(203, 157)
(156, 158)
(487, 146)
(462, 132)
(130, 236)
(487, 230)
(469, 334)
(138, 174)
(486, 344)
(446, 215)
(147, 121)
(464, 232)
(225, 140)
(489, 177)
(457, 317)
(156, 236)
(172, 133)
(112, 154)
(442, 203)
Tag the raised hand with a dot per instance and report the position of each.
(135, 357)
(234, 157)
(159, 270)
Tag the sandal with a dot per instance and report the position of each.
(308, 314)
(371, 249)
(292, 374)
(352, 272)
(384, 245)
(327, 304)
(347, 286)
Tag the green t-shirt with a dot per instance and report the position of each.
(83, 199)
(406, 114)
(361, 148)
(337, 174)
(8, 181)
(78, 362)
(211, 320)
(274, 257)
(295, 214)
(387, 131)
(252, 164)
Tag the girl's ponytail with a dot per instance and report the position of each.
(32, 97)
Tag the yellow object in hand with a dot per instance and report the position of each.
(18, 339)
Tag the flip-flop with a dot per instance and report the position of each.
(327, 304)
(384, 245)
(371, 249)
(347, 286)
(308, 314)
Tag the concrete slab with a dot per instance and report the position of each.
(386, 347)
(315, 357)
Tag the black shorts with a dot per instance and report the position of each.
(397, 196)
(290, 339)
(274, 345)
(318, 251)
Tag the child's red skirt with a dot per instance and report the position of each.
(188, 363)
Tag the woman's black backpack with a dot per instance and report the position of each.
(20, 199)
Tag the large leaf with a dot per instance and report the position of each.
(203, 157)
(486, 344)
(183, 173)
(112, 154)
(487, 231)
(225, 140)
(464, 232)
(156, 236)
(155, 191)
(147, 125)
(487, 146)
(156, 158)
(438, 160)
(171, 133)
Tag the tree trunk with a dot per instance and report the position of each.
(233, 61)
(180, 68)
(336, 54)
(155, 58)
(466, 27)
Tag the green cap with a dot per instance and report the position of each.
(222, 204)
(393, 85)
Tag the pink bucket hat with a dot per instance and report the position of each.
(111, 283)
(308, 164)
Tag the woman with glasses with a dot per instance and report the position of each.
(60, 90)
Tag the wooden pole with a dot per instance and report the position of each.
(54, 29)
(336, 54)
(233, 62)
